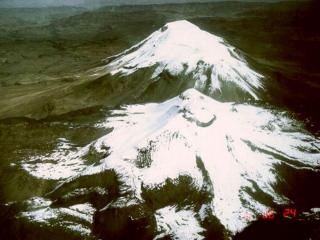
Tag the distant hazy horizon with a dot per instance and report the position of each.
(98, 3)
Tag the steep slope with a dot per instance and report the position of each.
(189, 161)
(180, 49)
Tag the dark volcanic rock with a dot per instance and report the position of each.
(124, 220)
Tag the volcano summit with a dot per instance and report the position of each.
(183, 50)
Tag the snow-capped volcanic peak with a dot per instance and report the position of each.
(229, 152)
(225, 148)
(181, 47)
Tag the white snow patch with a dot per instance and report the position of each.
(178, 224)
(64, 162)
(39, 211)
(315, 210)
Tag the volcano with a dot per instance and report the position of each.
(182, 50)
(196, 163)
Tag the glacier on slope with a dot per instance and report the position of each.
(183, 50)
(222, 152)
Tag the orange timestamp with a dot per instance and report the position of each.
(286, 213)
